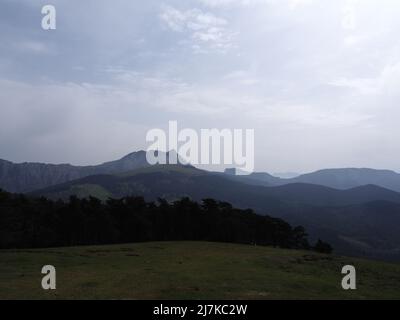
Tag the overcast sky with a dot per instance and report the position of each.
(317, 80)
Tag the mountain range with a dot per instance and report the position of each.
(26, 177)
(345, 178)
(354, 209)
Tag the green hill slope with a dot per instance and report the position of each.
(191, 270)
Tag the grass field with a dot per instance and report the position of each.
(190, 270)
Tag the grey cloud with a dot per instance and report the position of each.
(318, 92)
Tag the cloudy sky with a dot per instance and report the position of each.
(318, 80)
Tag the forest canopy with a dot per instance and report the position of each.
(39, 222)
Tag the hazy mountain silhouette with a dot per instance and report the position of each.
(286, 175)
(334, 178)
(170, 180)
(26, 177)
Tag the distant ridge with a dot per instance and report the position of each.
(342, 179)
(27, 177)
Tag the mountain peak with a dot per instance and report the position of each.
(134, 154)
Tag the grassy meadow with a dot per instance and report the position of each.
(191, 270)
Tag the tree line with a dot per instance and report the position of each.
(27, 222)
